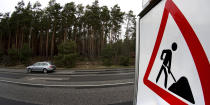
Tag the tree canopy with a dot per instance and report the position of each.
(91, 27)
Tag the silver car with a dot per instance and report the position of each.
(41, 66)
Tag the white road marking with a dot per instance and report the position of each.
(44, 78)
(45, 85)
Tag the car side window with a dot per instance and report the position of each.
(39, 64)
(42, 64)
(36, 64)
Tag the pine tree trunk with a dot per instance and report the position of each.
(41, 41)
(16, 39)
(9, 41)
(65, 35)
(22, 40)
(30, 37)
(32, 44)
(52, 43)
(1, 47)
(47, 41)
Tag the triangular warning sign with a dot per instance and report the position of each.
(198, 54)
(174, 69)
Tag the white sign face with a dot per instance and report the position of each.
(174, 55)
(145, 3)
(174, 69)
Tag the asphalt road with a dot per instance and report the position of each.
(72, 78)
(14, 94)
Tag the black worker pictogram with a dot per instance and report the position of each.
(180, 87)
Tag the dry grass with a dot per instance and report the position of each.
(80, 65)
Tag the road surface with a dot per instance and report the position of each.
(73, 87)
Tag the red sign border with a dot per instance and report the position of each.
(195, 47)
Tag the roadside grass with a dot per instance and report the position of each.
(80, 65)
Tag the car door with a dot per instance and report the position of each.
(35, 66)
(39, 67)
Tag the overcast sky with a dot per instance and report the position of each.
(125, 5)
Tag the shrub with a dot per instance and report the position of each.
(67, 55)
(12, 58)
(70, 60)
(67, 47)
(1, 55)
(6, 60)
(108, 52)
(124, 61)
(25, 54)
(107, 62)
(59, 61)
(107, 55)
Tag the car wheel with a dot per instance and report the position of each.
(45, 71)
(29, 70)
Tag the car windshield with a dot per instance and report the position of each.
(36, 64)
